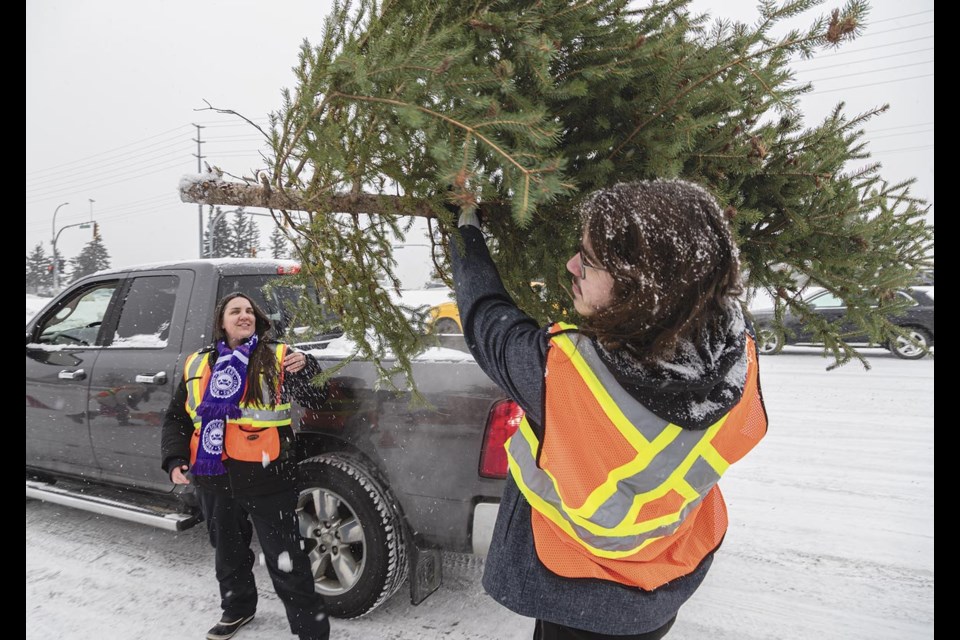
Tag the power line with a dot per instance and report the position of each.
(847, 64)
(907, 15)
(905, 133)
(118, 211)
(143, 210)
(141, 156)
(902, 149)
(871, 84)
(107, 178)
(94, 171)
(105, 152)
(901, 28)
(904, 126)
(85, 160)
(250, 138)
(861, 49)
(220, 123)
(63, 192)
(862, 73)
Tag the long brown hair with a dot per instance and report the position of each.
(263, 361)
(673, 260)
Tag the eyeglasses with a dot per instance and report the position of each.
(584, 264)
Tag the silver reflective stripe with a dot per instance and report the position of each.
(646, 423)
(262, 414)
(662, 463)
(540, 483)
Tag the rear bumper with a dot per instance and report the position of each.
(484, 517)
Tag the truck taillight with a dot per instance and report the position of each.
(288, 271)
(502, 423)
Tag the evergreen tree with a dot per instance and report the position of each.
(244, 235)
(93, 257)
(217, 239)
(278, 244)
(520, 107)
(39, 273)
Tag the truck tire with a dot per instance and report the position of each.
(354, 537)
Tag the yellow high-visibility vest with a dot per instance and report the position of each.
(242, 438)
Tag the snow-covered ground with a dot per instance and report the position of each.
(831, 538)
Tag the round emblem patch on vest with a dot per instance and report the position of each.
(225, 383)
(213, 437)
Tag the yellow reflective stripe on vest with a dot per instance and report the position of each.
(696, 443)
(191, 374)
(604, 547)
(540, 486)
(252, 415)
(606, 522)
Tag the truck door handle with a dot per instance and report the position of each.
(78, 374)
(159, 377)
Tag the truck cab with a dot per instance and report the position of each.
(400, 482)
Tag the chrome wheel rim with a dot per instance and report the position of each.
(905, 347)
(339, 553)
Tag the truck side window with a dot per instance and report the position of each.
(146, 312)
(267, 298)
(76, 322)
(279, 301)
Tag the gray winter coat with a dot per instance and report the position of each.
(511, 348)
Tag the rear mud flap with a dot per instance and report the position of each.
(426, 573)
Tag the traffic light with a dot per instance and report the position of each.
(49, 268)
(96, 230)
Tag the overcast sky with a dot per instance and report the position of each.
(113, 89)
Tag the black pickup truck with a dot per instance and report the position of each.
(386, 484)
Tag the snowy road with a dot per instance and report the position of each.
(831, 538)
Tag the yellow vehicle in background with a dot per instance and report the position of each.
(445, 319)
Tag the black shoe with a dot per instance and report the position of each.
(228, 626)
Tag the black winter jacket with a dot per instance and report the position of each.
(242, 478)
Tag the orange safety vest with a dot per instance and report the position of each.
(252, 437)
(620, 494)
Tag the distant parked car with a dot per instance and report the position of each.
(917, 319)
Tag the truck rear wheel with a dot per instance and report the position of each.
(354, 537)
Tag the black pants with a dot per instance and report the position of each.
(549, 631)
(274, 516)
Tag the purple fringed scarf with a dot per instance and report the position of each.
(221, 400)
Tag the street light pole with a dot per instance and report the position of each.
(91, 208)
(53, 241)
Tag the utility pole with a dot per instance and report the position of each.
(199, 206)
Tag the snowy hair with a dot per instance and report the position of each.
(673, 260)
